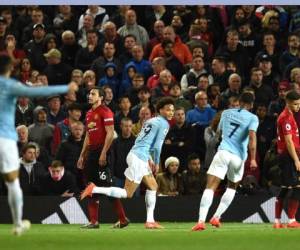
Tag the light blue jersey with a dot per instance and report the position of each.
(235, 125)
(150, 139)
(9, 91)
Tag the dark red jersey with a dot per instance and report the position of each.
(96, 120)
(286, 125)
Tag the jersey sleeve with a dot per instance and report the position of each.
(254, 123)
(286, 126)
(108, 117)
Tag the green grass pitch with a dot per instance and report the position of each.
(175, 236)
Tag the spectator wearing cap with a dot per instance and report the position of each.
(86, 55)
(62, 129)
(56, 71)
(169, 182)
(179, 140)
(181, 51)
(41, 131)
(234, 89)
(69, 47)
(131, 27)
(270, 77)
(55, 112)
(263, 93)
(3, 26)
(190, 79)
(277, 105)
(291, 54)
(194, 178)
(234, 51)
(34, 48)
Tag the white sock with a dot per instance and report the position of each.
(150, 200)
(277, 220)
(206, 201)
(111, 191)
(15, 201)
(292, 220)
(225, 202)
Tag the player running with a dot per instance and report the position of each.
(9, 158)
(149, 142)
(238, 127)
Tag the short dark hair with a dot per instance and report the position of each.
(192, 156)
(56, 164)
(129, 35)
(5, 64)
(163, 102)
(74, 106)
(100, 90)
(94, 31)
(292, 95)
(27, 146)
(247, 98)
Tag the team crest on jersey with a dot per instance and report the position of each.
(166, 131)
(91, 125)
(288, 127)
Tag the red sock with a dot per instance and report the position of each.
(292, 208)
(93, 209)
(278, 208)
(119, 210)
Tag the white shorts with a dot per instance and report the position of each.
(137, 168)
(224, 163)
(9, 156)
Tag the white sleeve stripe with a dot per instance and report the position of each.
(108, 119)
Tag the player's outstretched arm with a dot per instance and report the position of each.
(19, 89)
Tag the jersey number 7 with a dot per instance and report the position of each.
(235, 127)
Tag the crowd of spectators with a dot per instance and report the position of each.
(202, 56)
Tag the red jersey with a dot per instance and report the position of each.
(286, 125)
(96, 120)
